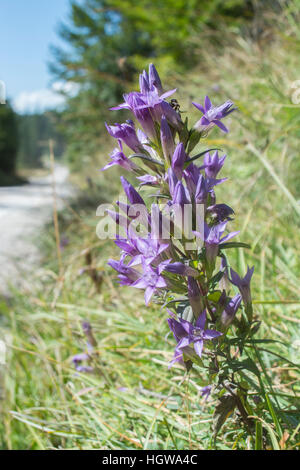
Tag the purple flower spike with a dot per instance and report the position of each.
(243, 284)
(178, 160)
(212, 115)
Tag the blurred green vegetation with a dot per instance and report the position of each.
(134, 401)
(34, 131)
(108, 42)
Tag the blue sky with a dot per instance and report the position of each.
(27, 29)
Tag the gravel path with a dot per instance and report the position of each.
(23, 212)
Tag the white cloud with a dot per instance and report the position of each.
(41, 100)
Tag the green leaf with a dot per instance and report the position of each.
(246, 364)
(254, 328)
(174, 301)
(146, 158)
(258, 436)
(224, 246)
(215, 279)
(215, 296)
(193, 140)
(274, 415)
(195, 157)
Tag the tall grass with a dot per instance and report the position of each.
(133, 401)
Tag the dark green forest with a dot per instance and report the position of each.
(34, 131)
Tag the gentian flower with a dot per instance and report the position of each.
(243, 283)
(181, 195)
(213, 164)
(131, 193)
(212, 238)
(181, 269)
(127, 275)
(154, 80)
(119, 158)
(149, 180)
(143, 250)
(150, 106)
(151, 280)
(151, 81)
(195, 335)
(213, 115)
(136, 103)
(178, 159)
(191, 175)
(179, 333)
(202, 190)
(230, 310)
(127, 133)
(195, 296)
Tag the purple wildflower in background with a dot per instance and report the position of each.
(212, 115)
(206, 391)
